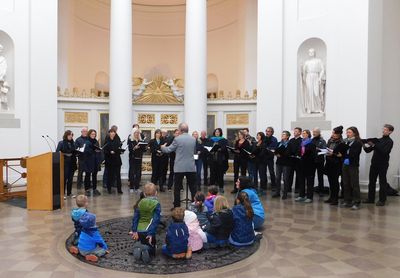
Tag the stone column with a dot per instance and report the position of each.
(196, 65)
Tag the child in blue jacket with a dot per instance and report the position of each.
(243, 231)
(76, 214)
(91, 245)
(177, 237)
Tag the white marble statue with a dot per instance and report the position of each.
(313, 84)
(179, 94)
(144, 83)
(4, 86)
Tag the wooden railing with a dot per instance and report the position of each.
(12, 178)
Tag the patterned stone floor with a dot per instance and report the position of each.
(313, 240)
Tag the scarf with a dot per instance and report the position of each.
(304, 143)
(216, 138)
(283, 143)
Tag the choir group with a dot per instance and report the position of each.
(298, 157)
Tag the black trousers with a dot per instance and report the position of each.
(376, 171)
(307, 187)
(239, 166)
(79, 180)
(270, 165)
(164, 166)
(296, 168)
(171, 173)
(205, 171)
(217, 174)
(68, 177)
(351, 184)
(320, 173)
(152, 245)
(333, 172)
(114, 175)
(135, 173)
(282, 172)
(90, 180)
(191, 182)
(261, 168)
(157, 164)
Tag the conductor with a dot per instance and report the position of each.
(184, 146)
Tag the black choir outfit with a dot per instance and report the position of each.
(135, 162)
(261, 161)
(204, 158)
(350, 172)
(91, 159)
(308, 153)
(320, 143)
(218, 161)
(79, 142)
(170, 160)
(379, 166)
(294, 148)
(240, 158)
(270, 144)
(283, 168)
(333, 168)
(158, 161)
(113, 162)
(67, 148)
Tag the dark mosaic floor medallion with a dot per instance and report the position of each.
(115, 233)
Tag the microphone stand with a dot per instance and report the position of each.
(48, 144)
(54, 143)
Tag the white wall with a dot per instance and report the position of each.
(33, 27)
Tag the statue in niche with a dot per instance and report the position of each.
(142, 83)
(4, 86)
(312, 84)
(179, 94)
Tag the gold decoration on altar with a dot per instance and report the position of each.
(146, 166)
(169, 119)
(76, 117)
(230, 168)
(237, 119)
(158, 91)
(146, 118)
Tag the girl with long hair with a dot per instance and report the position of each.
(243, 231)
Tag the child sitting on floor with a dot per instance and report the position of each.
(177, 237)
(212, 194)
(243, 231)
(91, 245)
(144, 224)
(196, 234)
(221, 223)
(76, 213)
(199, 208)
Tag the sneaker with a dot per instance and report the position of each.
(181, 190)
(73, 196)
(380, 204)
(96, 192)
(169, 190)
(73, 250)
(91, 258)
(308, 201)
(65, 197)
(131, 191)
(146, 256)
(276, 195)
(300, 199)
(189, 253)
(355, 207)
(346, 205)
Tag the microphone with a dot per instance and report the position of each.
(54, 143)
(47, 143)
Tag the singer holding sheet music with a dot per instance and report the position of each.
(218, 159)
(240, 158)
(91, 163)
(136, 149)
(67, 148)
(112, 154)
(79, 142)
(261, 156)
(379, 164)
(158, 159)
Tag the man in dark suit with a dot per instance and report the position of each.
(204, 141)
(294, 148)
(184, 146)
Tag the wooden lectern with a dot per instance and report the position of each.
(45, 181)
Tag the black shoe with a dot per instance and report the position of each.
(162, 190)
(276, 195)
(284, 196)
(109, 191)
(328, 201)
(234, 191)
(380, 204)
(368, 201)
(346, 205)
(120, 192)
(96, 192)
(87, 193)
(333, 203)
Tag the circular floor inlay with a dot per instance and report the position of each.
(115, 233)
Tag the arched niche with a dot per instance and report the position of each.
(7, 103)
(303, 58)
(102, 82)
(212, 83)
